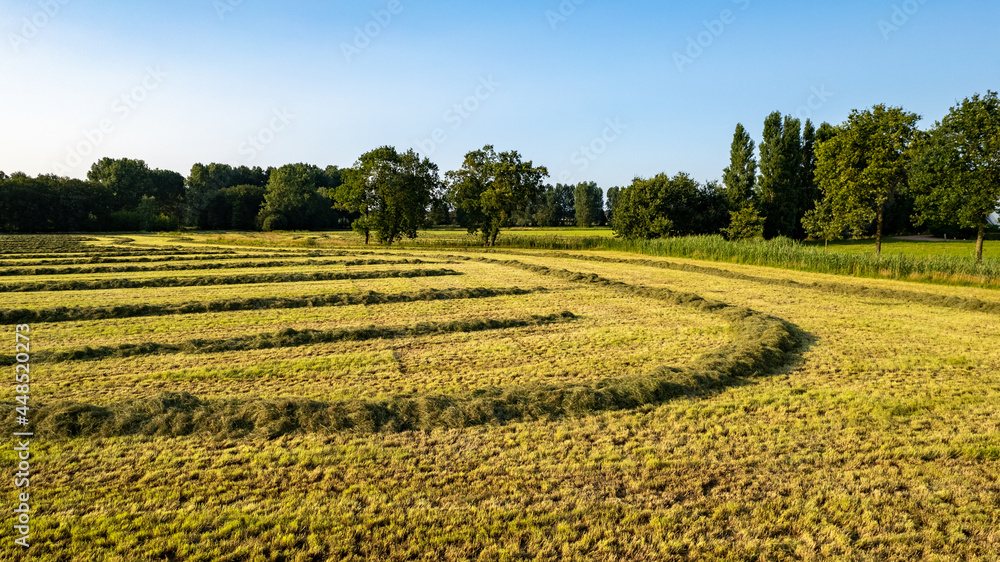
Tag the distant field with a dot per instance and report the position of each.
(891, 246)
(515, 404)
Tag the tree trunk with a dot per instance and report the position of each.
(878, 232)
(979, 244)
(366, 237)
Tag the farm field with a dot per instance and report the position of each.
(264, 397)
(893, 246)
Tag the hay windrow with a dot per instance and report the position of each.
(290, 337)
(245, 279)
(87, 313)
(759, 344)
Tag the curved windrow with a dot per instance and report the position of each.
(759, 344)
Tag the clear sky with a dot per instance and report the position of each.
(594, 90)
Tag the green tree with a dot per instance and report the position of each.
(613, 194)
(740, 176)
(127, 179)
(168, 189)
(808, 191)
(658, 207)
(864, 165)
(491, 187)
(290, 190)
(739, 179)
(588, 201)
(244, 202)
(822, 223)
(779, 185)
(955, 174)
(205, 206)
(745, 224)
(440, 212)
(390, 191)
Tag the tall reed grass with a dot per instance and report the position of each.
(782, 253)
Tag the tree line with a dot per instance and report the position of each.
(386, 195)
(874, 174)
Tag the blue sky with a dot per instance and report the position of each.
(594, 90)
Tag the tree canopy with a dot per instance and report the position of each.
(490, 187)
(665, 206)
(391, 192)
(865, 164)
(955, 173)
(588, 203)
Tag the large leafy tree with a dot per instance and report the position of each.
(955, 174)
(588, 203)
(391, 192)
(244, 202)
(863, 166)
(291, 190)
(167, 188)
(127, 179)
(490, 187)
(663, 206)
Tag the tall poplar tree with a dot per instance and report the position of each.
(739, 179)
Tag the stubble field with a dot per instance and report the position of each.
(198, 401)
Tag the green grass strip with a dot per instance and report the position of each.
(219, 280)
(85, 313)
(781, 253)
(289, 337)
(843, 289)
(201, 266)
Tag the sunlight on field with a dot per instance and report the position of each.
(891, 246)
(503, 411)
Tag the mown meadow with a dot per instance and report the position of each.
(294, 397)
